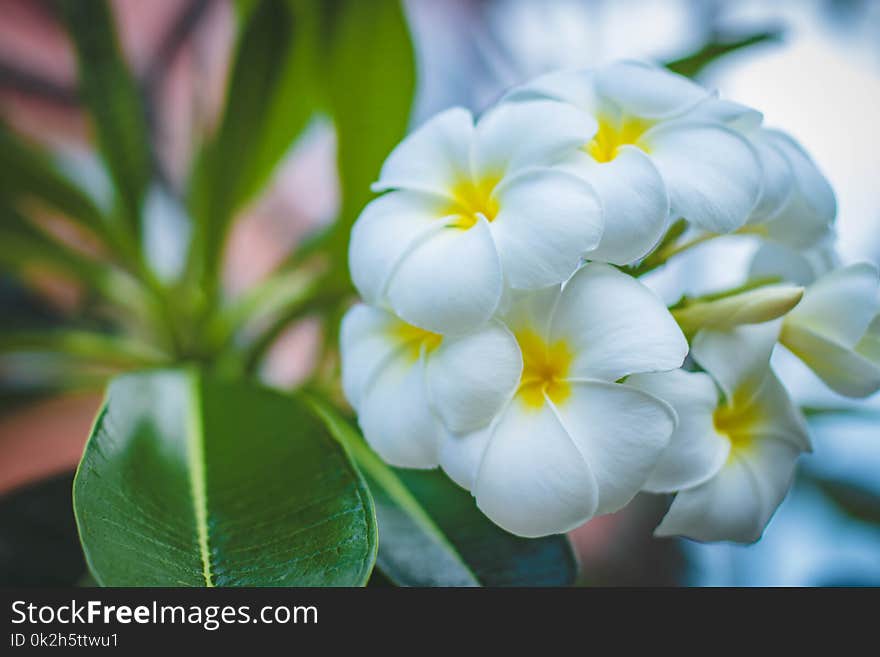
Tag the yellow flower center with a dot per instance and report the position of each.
(414, 339)
(737, 421)
(613, 134)
(471, 199)
(545, 369)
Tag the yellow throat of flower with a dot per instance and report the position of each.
(737, 421)
(414, 340)
(613, 134)
(545, 370)
(472, 198)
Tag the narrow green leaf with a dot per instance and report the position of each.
(432, 534)
(370, 82)
(30, 173)
(94, 347)
(24, 248)
(693, 65)
(113, 99)
(854, 500)
(269, 102)
(187, 481)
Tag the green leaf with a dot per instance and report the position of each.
(693, 65)
(269, 102)
(25, 248)
(30, 173)
(855, 501)
(187, 481)
(370, 82)
(112, 96)
(98, 348)
(432, 534)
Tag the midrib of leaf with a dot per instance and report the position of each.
(376, 469)
(195, 437)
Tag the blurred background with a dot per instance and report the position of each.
(812, 67)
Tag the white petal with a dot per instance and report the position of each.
(809, 213)
(534, 133)
(621, 433)
(461, 455)
(712, 172)
(634, 202)
(365, 345)
(843, 369)
(648, 91)
(532, 310)
(734, 115)
(776, 260)
(576, 87)
(433, 157)
(777, 183)
(869, 345)
(841, 304)
(532, 480)
(389, 227)
(547, 220)
(728, 507)
(471, 377)
(773, 463)
(449, 283)
(696, 451)
(615, 326)
(739, 358)
(396, 419)
(775, 416)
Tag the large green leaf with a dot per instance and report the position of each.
(269, 101)
(114, 101)
(370, 82)
(432, 534)
(188, 481)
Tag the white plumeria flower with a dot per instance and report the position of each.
(647, 157)
(572, 442)
(410, 386)
(731, 460)
(475, 210)
(797, 206)
(835, 330)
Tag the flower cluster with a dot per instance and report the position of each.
(505, 336)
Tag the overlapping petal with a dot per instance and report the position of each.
(513, 136)
(711, 171)
(728, 507)
(620, 433)
(388, 229)
(532, 481)
(634, 202)
(841, 304)
(737, 358)
(696, 451)
(809, 214)
(470, 378)
(616, 326)
(641, 89)
(433, 156)
(449, 282)
(548, 220)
